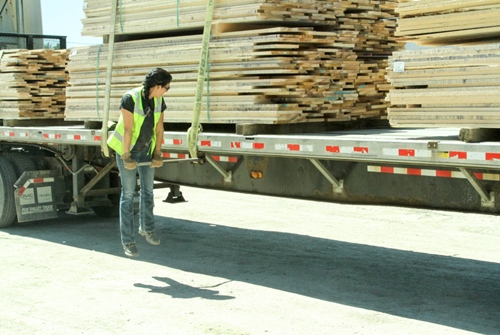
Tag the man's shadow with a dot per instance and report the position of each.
(182, 291)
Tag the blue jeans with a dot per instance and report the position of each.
(129, 182)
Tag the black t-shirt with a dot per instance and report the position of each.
(148, 127)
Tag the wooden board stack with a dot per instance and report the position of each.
(446, 87)
(451, 86)
(33, 83)
(270, 61)
(153, 16)
(447, 22)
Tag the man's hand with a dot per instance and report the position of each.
(157, 160)
(128, 162)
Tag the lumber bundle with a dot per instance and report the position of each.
(445, 22)
(275, 75)
(446, 87)
(271, 61)
(33, 83)
(149, 16)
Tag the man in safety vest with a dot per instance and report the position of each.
(137, 138)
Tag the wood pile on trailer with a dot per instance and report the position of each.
(33, 83)
(449, 22)
(271, 62)
(451, 85)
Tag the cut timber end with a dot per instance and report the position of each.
(470, 135)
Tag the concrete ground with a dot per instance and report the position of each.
(233, 263)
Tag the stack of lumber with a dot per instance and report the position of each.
(446, 87)
(271, 61)
(274, 75)
(446, 22)
(372, 88)
(149, 16)
(33, 83)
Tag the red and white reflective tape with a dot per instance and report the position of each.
(7, 133)
(229, 159)
(76, 137)
(294, 147)
(247, 145)
(174, 155)
(33, 181)
(471, 155)
(468, 155)
(430, 172)
(335, 149)
(208, 143)
(172, 141)
(405, 152)
(52, 136)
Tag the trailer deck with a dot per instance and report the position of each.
(429, 146)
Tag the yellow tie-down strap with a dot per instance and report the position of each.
(192, 133)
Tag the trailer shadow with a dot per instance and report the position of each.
(454, 292)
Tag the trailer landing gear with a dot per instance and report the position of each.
(175, 195)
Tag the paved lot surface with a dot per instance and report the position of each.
(233, 263)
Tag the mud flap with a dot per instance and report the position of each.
(36, 195)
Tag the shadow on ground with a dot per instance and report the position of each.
(455, 292)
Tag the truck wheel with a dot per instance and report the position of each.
(21, 164)
(7, 201)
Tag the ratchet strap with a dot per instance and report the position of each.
(192, 133)
(109, 69)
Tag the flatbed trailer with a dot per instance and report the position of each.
(411, 167)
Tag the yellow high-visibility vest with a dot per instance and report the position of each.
(115, 141)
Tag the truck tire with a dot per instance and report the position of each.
(7, 201)
(20, 164)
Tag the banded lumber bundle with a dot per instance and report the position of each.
(274, 75)
(445, 22)
(149, 16)
(33, 83)
(374, 20)
(446, 87)
(271, 61)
